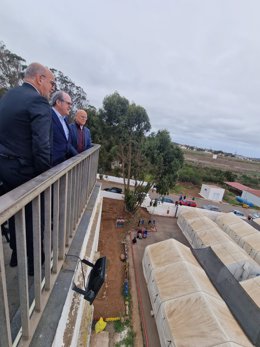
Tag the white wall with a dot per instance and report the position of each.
(251, 198)
(211, 192)
(118, 180)
(111, 195)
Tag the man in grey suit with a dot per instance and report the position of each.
(25, 140)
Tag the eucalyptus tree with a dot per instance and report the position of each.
(77, 93)
(11, 69)
(165, 159)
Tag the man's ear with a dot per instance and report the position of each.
(39, 79)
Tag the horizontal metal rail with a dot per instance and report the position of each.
(55, 201)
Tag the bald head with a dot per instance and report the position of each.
(41, 78)
(81, 117)
(33, 70)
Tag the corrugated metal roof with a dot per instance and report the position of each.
(242, 187)
(237, 185)
(254, 192)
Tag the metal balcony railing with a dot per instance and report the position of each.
(66, 188)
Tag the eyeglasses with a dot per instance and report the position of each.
(53, 84)
(67, 102)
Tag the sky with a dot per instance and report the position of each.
(194, 65)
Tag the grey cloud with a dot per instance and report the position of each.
(194, 65)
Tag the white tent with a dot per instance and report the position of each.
(187, 308)
(176, 280)
(163, 253)
(251, 244)
(239, 263)
(198, 319)
(228, 219)
(242, 233)
(252, 287)
(234, 226)
(257, 221)
(202, 232)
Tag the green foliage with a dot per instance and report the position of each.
(119, 326)
(198, 174)
(121, 128)
(11, 72)
(230, 198)
(77, 94)
(253, 182)
(128, 341)
(190, 174)
(165, 160)
(135, 197)
(11, 68)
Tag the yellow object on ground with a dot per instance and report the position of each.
(112, 319)
(100, 325)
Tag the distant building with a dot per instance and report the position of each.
(252, 195)
(212, 192)
(215, 156)
(249, 194)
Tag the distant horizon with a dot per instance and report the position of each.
(216, 150)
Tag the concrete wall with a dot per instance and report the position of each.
(111, 195)
(76, 309)
(119, 180)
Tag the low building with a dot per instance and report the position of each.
(212, 192)
(248, 194)
(252, 195)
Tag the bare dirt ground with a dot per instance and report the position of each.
(110, 300)
(224, 163)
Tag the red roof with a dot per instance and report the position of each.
(241, 187)
(237, 186)
(255, 192)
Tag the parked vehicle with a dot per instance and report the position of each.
(190, 203)
(114, 190)
(239, 214)
(211, 208)
(166, 199)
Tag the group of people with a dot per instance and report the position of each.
(34, 136)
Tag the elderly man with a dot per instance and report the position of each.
(25, 140)
(62, 148)
(81, 138)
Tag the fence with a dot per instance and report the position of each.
(66, 189)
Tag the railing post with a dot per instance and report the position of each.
(47, 237)
(62, 215)
(68, 216)
(23, 273)
(5, 332)
(55, 231)
(37, 251)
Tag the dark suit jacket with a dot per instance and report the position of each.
(25, 128)
(62, 148)
(74, 136)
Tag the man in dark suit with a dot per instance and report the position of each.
(62, 148)
(25, 140)
(80, 134)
